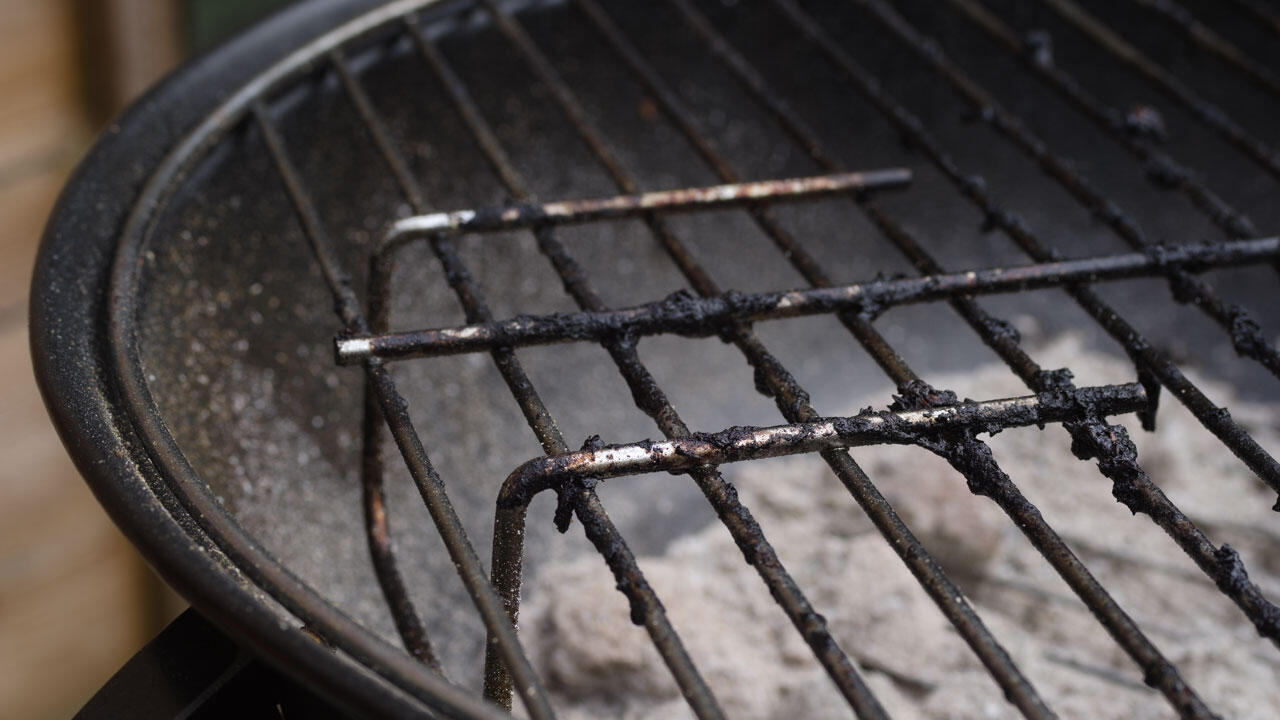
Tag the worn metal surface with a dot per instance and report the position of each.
(228, 281)
(691, 199)
(738, 444)
(689, 316)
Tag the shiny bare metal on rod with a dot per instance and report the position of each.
(687, 315)
(866, 428)
(524, 215)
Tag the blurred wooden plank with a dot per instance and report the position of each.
(75, 599)
(42, 129)
(37, 471)
(24, 208)
(132, 43)
(39, 80)
(72, 596)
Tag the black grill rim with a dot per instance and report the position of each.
(81, 385)
(116, 396)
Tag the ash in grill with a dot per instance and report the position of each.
(840, 227)
(759, 666)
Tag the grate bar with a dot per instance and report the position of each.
(646, 608)
(1268, 16)
(372, 472)
(1205, 37)
(1109, 444)
(509, 530)
(974, 461)
(790, 398)
(859, 327)
(690, 316)
(527, 214)
(993, 330)
(600, 527)
(1246, 336)
(922, 415)
(1161, 169)
(726, 178)
(394, 409)
(746, 532)
(1206, 112)
(1216, 419)
(736, 444)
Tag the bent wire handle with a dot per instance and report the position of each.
(569, 212)
(867, 428)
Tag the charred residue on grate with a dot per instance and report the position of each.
(696, 148)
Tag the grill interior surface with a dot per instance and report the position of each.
(1033, 133)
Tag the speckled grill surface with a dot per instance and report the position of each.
(237, 324)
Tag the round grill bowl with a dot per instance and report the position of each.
(183, 323)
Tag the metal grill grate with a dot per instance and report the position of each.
(930, 418)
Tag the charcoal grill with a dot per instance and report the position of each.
(184, 331)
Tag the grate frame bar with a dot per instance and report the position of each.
(599, 528)
(1246, 335)
(1161, 169)
(690, 316)
(385, 406)
(1117, 460)
(1208, 39)
(508, 530)
(524, 215)
(1206, 112)
(1153, 362)
(1131, 485)
(395, 412)
(885, 427)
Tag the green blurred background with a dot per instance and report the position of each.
(205, 23)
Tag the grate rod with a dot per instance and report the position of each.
(795, 406)
(739, 521)
(372, 473)
(691, 316)
(1161, 169)
(1262, 13)
(1216, 419)
(601, 528)
(1206, 112)
(738, 444)
(526, 214)
(790, 399)
(973, 459)
(1109, 444)
(1246, 335)
(1205, 37)
(393, 407)
(595, 521)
